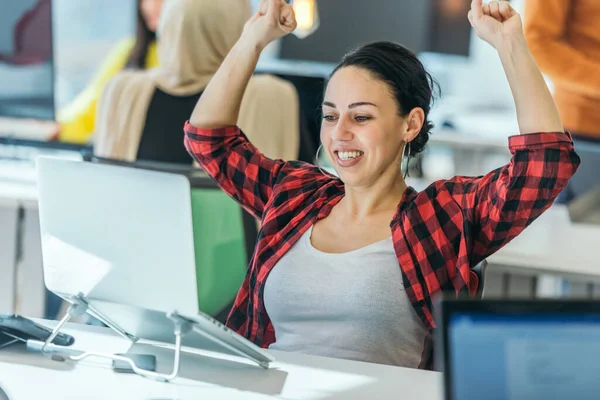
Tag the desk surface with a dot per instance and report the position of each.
(26, 375)
(553, 244)
(462, 140)
(17, 192)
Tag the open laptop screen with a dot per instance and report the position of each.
(527, 356)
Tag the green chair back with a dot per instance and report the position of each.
(219, 242)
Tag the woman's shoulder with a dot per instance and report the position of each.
(120, 51)
(305, 173)
(114, 62)
(124, 45)
(441, 191)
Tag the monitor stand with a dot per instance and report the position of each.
(79, 306)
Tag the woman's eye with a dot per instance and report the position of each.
(362, 118)
(329, 118)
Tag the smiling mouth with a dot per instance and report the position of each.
(348, 155)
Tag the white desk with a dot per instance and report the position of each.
(25, 279)
(14, 194)
(9, 219)
(553, 244)
(22, 280)
(293, 377)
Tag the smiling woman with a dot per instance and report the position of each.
(389, 92)
(348, 267)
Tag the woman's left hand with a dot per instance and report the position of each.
(495, 22)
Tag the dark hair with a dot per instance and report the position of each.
(143, 38)
(400, 68)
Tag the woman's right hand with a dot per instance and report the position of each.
(274, 19)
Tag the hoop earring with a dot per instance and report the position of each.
(317, 159)
(407, 156)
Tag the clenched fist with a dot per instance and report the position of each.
(274, 19)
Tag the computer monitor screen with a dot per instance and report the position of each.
(26, 76)
(55, 57)
(524, 356)
(439, 26)
(86, 34)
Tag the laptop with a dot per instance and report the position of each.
(519, 349)
(123, 239)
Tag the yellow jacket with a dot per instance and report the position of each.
(78, 119)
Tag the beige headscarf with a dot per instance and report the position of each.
(194, 36)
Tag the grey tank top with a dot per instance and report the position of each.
(350, 305)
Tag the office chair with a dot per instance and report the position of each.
(586, 177)
(480, 270)
(224, 236)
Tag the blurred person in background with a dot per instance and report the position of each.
(141, 113)
(77, 120)
(564, 37)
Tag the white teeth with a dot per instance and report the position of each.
(346, 155)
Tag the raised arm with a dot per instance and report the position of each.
(212, 135)
(503, 203)
(499, 25)
(545, 30)
(219, 105)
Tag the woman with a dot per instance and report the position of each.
(140, 113)
(77, 120)
(348, 267)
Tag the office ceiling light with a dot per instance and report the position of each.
(307, 16)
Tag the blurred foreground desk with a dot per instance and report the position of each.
(26, 375)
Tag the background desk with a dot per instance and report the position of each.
(22, 287)
(9, 216)
(554, 245)
(26, 375)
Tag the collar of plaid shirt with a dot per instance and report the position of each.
(439, 234)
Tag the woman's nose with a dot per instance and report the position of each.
(342, 130)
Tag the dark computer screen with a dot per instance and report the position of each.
(439, 26)
(310, 96)
(26, 71)
(528, 357)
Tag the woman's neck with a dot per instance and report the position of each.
(381, 197)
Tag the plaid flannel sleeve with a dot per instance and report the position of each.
(238, 167)
(504, 202)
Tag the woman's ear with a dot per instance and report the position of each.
(414, 122)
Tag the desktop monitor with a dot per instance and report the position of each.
(438, 26)
(53, 53)
(26, 69)
(519, 349)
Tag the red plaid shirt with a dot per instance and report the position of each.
(439, 234)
